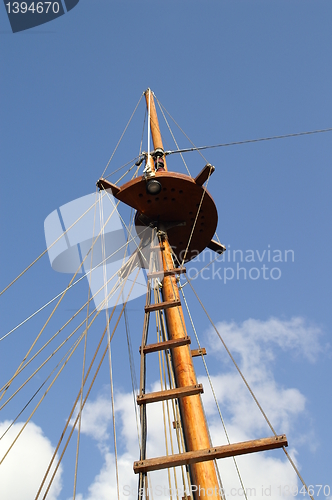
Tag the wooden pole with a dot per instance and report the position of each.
(154, 124)
(225, 451)
(203, 474)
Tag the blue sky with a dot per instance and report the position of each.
(226, 71)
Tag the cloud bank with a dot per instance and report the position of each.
(22, 471)
(258, 347)
(254, 344)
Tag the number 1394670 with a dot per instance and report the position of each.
(33, 7)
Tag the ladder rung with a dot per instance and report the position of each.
(178, 392)
(198, 352)
(162, 305)
(228, 450)
(168, 272)
(157, 247)
(168, 344)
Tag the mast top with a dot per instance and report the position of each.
(174, 203)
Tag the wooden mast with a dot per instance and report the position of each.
(173, 213)
(203, 474)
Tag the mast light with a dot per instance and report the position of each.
(153, 186)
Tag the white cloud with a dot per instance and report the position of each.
(23, 469)
(252, 343)
(264, 474)
(253, 338)
(104, 485)
(95, 418)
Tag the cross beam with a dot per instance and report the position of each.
(228, 450)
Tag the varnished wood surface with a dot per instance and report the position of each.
(178, 392)
(162, 305)
(169, 272)
(168, 344)
(228, 450)
(177, 203)
(204, 174)
(192, 413)
(154, 123)
(198, 352)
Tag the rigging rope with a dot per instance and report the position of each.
(251, 391)
(55, 308)
(248, 141)
(38, 404)
(84, 359)
(197, 214)
(78, 341)
(53, 337)
(40, 367)
(215, 398)
(88, 392)
(45, 251)
(108, 319)
(133, 238)
(170, 130)
(191, 142)
(132, 371)
(73, 347)
(175, 407)
(129, 232)
(131, 356)
(124, 175)
(34, 373)
(129, 343)
(163, 386)
(81, 388)
(198, 272)
(123, 133)
(123, 166)
(101, 213)
(142, 476)
(179, 309)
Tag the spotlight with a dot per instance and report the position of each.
(153, 186)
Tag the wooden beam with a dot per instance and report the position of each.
(157, 247)
(216, 247)
(178, 392)
(168, 344)
(204, 174)
(198, 352)
(155, 131)
(104, 184)
(228, 450)
(168, 272)
(162, 305)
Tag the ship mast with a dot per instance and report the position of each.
(203, 475)
(174, 204)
